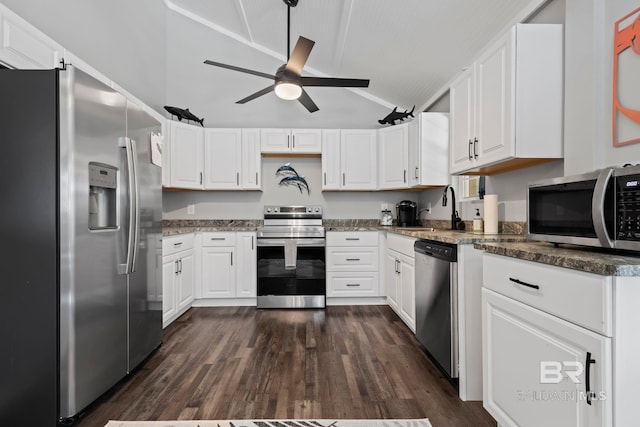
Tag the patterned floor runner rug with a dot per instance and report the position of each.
(275, 423)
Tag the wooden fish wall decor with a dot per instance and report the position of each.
(396, 115)
(183, 114)
(289, 177)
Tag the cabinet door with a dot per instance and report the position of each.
(275, 140)
(186, 155)
(331, 159)
(462, 122)
(247, 277)
(413, 144)
(251, 165)
(186, 280)
(391, 280)
(358, 159)
(222, 159)
(494, 101)
(535, 370)
(24, 47)
(407, 285)
(169, 278)
(306, 141)
(393, 157)
(218, 272)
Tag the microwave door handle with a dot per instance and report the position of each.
(597, 207)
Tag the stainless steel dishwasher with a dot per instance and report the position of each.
(437, 302)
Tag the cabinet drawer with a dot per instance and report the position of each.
(218, 239)
(352, 238)
(402, 244)
(348, 284)
(578, 297)
(352, 259)
(175, 244)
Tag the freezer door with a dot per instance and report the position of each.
(93, 283)
(145, 277)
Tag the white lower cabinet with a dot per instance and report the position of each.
(541, 368)
(178, 276)
(352, 260)
(229, 268)
(399, 270)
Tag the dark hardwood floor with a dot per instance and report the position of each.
(245, 363)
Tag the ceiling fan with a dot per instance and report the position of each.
(288, 81)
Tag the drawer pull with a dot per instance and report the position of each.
(352, 238)
(358, 284)
(177, 244)
(520, 282)
(218, 238)
(587, 378)
(353, 259)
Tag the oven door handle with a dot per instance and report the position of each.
(299, 242)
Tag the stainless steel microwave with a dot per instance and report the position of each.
(600, 208)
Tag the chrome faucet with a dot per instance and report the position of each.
(454, 215)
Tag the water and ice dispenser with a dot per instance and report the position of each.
(102, 196)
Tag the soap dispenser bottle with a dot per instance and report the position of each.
(478, 224)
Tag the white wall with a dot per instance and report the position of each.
(124, 40)
(249, 204)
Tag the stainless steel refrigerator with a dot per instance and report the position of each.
(81, 229)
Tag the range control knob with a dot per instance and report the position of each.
(275, 209)
(317, 209)
(309, 209)
(268, 210)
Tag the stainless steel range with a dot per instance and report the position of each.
(291, 258)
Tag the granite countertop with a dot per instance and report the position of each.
(590, 260)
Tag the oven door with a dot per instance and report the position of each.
(303, 286)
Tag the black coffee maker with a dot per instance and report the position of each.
(406, 213)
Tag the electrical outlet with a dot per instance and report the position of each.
(191, 209)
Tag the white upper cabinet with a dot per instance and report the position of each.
(24, 47)
(349, 159)
(251, 174)
(429, 150)
(186, 148)
(301, 141)
(222, 159)
(506, 109)
(393, 156)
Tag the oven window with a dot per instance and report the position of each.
(308, 278)
(562, 209)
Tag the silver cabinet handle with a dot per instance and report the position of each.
(175, 245)
(325, 178)
(218, 238)
(353, 284)
(237, 178)
(231, 253)
(475, 146)
(343, 179)
(251, 242)
(351, 238)
(180, 271)
(200, 178)
(175, 263)
(288, 141)
(405, 176)
(469, 150)
(256, 178)
(353, 259)
(416, 174)
(294, 141)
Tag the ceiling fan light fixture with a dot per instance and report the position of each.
(288, 90)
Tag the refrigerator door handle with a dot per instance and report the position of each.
(136, 199)
(127, 144)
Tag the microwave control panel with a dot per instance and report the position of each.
(628, 207)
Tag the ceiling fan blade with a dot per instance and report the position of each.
(308, 103)
(242, 70)
(333, 82)
(256, 95)
(299, 55)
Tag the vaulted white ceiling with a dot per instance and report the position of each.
(409, 49)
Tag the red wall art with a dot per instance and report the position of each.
(626, 80)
